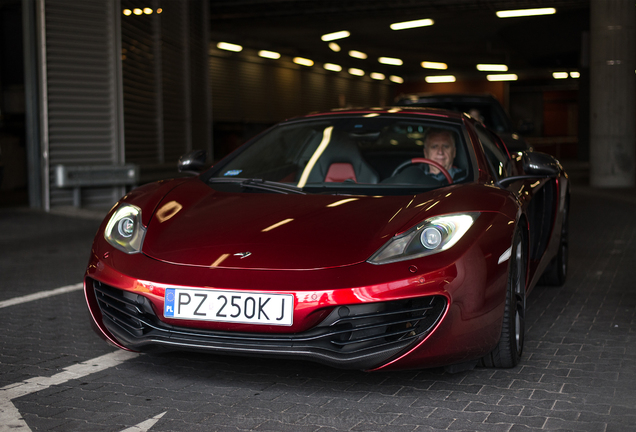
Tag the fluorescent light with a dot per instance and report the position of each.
(356, 72)
(525, 12)
(269, 54)
(390, 61)
(332, 67)
(412, 24)
(334, 47)
(560, 75)
(440, 79)
(492, 67)
(396, 79)
(502, 77)
(357, 54)
(575, 75)
(229, 47)
(334, 36)
(434, 65)
(377, 76)
(303, 61)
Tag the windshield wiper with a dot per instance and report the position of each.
(255, 183)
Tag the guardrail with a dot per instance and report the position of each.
(81, 176)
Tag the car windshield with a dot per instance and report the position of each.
(363, 154)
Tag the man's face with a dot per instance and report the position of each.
(439, 147)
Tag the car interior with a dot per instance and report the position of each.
(351, 151)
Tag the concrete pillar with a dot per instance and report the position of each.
(612, 93)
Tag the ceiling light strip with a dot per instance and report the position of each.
(269, 54)
(335, 36)
(434, 65)
(412, 24)
(492, 67)
(357, 54)
(391, 61)
(226, 46)
(525, 12)
(434, 79)
(502, 77)
(332, 67)
(303, 61)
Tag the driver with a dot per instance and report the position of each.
(439, 146)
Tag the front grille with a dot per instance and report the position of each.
(358, 336)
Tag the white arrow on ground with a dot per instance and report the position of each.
(145, 426)
(10, 417)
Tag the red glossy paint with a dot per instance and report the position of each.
(316, 247)
(229, 223)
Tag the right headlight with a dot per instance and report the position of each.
(125, 230)
(434, 235)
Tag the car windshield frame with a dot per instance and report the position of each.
(379, 139)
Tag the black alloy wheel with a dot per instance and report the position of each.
(508, 351)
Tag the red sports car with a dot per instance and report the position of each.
(367, 239)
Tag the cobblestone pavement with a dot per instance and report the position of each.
(578, 372)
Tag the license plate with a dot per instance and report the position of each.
(229, 306)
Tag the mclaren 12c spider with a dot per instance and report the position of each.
(371, 239)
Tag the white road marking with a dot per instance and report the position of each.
(145, 426)
(41, 295)
(10, 418)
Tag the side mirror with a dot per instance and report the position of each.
(193, 162)
(535, 165)
(540, 164)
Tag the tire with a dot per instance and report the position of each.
(557, 271)
(510, 346)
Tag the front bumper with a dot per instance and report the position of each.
(359, 336)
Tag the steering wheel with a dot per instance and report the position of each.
(425, 161)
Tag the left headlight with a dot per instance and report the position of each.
(427, 238)
(125, 230)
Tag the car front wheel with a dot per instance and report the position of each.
(510, 346)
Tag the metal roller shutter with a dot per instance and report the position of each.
(142, 97)
(82, 92)
(165, 82)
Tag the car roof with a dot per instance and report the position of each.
(463, 97)
(421, 112)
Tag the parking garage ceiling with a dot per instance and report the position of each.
(465, 33)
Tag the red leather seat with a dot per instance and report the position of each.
(342, 161)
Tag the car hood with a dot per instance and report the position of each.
(196, 225)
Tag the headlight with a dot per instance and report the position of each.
(124, 229)
(430, 237)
